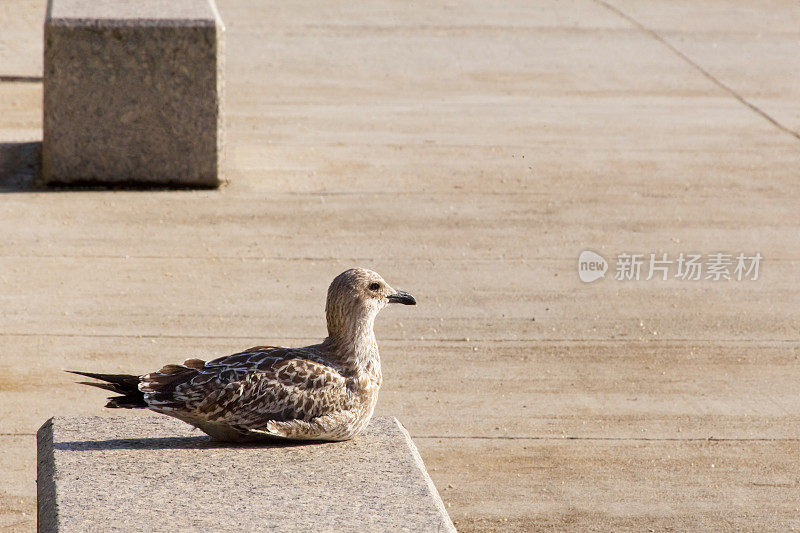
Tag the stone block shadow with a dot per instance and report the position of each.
(21, 171)
(20, 167)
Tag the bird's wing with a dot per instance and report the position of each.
(285, 389)
(294, 389)
(183, 386)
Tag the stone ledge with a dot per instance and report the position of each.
(152, 473)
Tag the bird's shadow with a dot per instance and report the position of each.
(174, 443)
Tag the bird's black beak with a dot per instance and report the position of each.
(401, 297)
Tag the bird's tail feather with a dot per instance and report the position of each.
(125, 384)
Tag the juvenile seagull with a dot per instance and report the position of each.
(326, 391)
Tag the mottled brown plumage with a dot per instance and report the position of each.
(326, 391)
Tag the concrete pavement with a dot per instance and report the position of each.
(468, 153)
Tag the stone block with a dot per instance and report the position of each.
(146, 472)
(133, 92)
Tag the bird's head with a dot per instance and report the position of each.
(356, 296)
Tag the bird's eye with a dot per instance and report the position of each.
(374, 286)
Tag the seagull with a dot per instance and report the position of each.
(325, 392)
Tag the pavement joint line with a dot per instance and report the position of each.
(700, 69)
(37, 189)
(428, 340)
(459, 260)
(551, 145)
(22, 79)
(614, 439)
(17, 434)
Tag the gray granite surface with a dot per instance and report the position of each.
(133, 93)
(152, 473)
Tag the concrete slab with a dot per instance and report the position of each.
(470, 152)
(133, 93)
(21, 41)
(732, 42)
(611, 484)
(151, 473)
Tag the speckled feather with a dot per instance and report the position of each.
(327, 391)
